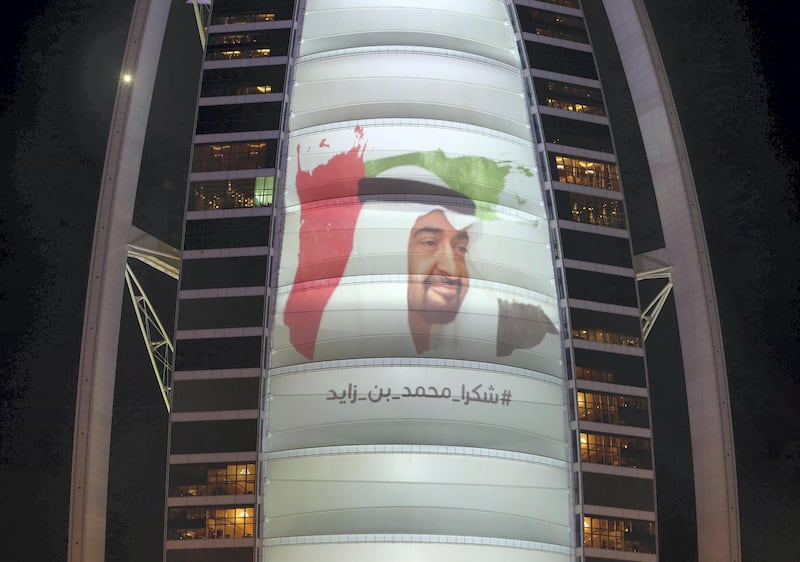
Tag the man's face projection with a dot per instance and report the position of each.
(438, 276)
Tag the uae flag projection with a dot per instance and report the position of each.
(392, 249)
(416, 401)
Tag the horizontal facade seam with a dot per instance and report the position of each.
(591, 228)
(217, 374)
(626, 430)
(258, 61)
(220, 333)
(416, 538)
(568, 78)
(226, 252)
(417, 449)
(581, 152)
(213, 415)
(201, 458)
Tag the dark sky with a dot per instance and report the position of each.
(730, 66)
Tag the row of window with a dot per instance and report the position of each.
(609, 367)
(577, 207)
(248, 44)
(217, 273)
(612, 408)
(233, 522)
(214, 436)
(615, 450)
(596, 248)
(237, 118)
(602, 213)
(591, 374)
(630, 535)
(245, 11)
(601, 287)
(218, 353)
(226, 156)
(212, 479)
(243, 80)
(222, 312)
(570, 97)
(231, 194)
(603, 336)
(248, 17)
(580, 134)
(591, 173)
(552, 24)
(241, 232)
(605, 327)
(561, 60)
(213, 395)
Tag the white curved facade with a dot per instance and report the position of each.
(453, 447)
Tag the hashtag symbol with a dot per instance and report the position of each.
(505, 398)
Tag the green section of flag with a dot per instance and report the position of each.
(479, 178)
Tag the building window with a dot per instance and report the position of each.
(242, 81)
(604, 327)
(229, 522)
(577, 207)
(213, 273)
(614, 490)
(220, 312)
(613, 408)
(604, 336)
(246, 11)
(250, 17)
(213, 395)
(218, 353)
(214, 436)
(615, 450)
(599, 375)
(601, 287)
(595, 248)
(569, 97)
(231, 194)
(241, 232)
(591, 173)
(247, 44)
(212, 480)
(238, 117)
(609, 367)
(223, 156)
(593, 210)
(580, 134)
(552, 24)
(630, 535)
(561, 60)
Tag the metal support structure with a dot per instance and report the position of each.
(157, 254)
(160, 349)
(652, 310)
(162, 257)
(201, 30)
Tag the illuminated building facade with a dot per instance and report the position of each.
(408, 319)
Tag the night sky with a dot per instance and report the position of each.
(730, 66)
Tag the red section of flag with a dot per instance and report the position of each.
(326, 241)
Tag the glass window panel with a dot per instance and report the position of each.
(591, 173)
